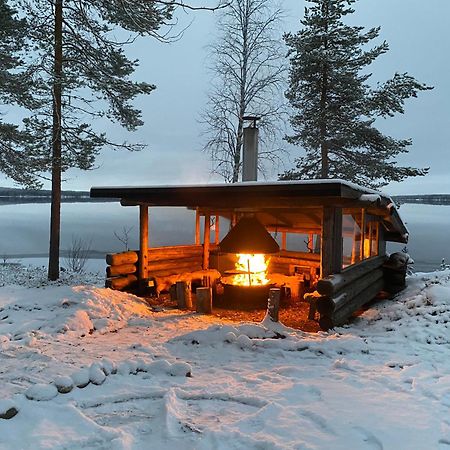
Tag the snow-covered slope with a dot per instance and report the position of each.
(177, 380)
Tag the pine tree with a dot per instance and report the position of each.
(16, 85)
(334, 105)
(83, 78)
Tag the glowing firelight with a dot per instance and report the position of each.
(252, 268)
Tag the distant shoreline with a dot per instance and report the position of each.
(29, 200)
(92, 254)
(428, 199)
(12, 196)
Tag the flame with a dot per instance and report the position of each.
(255, 268)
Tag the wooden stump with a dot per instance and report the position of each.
(173, 292)
(184, 297)
(273, 304)
(312, 298)
(204, 300)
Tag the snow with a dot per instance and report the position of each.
(41, 392)
(174, 379)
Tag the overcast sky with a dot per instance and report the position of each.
(416, 30)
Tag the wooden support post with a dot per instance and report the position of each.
(355, 234)
(377, 239)
(317, 244)
(331, 241)
(173, 292)
(204, 300)
(283, 240)
(363, 233)
(233, 220)
(197, 227)
(143, 242)
(273, 304)
(206, 241)
(312, 298)
(184, 298)
(311, 243)
(217, 230)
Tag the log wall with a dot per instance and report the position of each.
(286, 260)
(123, 268)
(342, 294)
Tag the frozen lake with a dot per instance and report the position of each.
(24, 229)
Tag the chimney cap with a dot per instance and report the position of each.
(253, 119)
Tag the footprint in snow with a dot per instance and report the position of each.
(319, 421)
(446, 400)
(369, 438)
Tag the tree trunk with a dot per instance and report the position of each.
(324, 171)
(55, 215)
(242, 101)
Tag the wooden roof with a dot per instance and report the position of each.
(290, 204)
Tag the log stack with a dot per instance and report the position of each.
(121, 273)
(284, 261)
(163, 261)
(343, 294)
(122, 270)
(395, 269)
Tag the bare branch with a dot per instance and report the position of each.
(248, 77)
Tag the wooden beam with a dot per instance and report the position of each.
(143, 242)
(197, 227)
(314, 217)
(206, 241)
(217, 230)
(311, 242)
(283, 240)
(300, 255)
(363, 233)
(331, 241)
(278, 216)
(305, 230)
(377, 238)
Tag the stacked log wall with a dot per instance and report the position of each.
(163, 261)
(123, 267)
(343, 294)
(284, 261)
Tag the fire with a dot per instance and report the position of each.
(252, 268)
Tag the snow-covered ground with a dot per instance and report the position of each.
(177, 380)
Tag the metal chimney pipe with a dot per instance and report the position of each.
(250, 151)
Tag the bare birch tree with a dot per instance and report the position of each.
(248, 78)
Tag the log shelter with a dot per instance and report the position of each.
(346, 225)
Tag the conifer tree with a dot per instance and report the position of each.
(15, 89)
(335, 106)
(82, 79)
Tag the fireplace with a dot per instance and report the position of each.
(246, 286)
